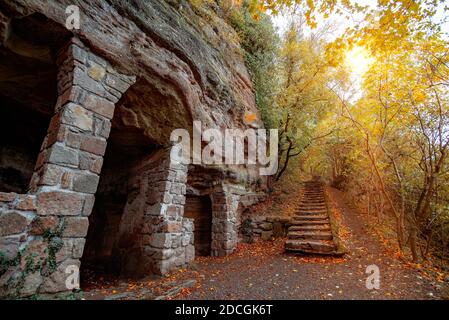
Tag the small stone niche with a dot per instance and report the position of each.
(199, 208)
(106, 240)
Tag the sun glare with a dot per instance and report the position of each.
(358, 60)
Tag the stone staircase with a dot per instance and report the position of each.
(310, 230)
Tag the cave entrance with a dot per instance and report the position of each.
(28, 93)
(199, 208)
(22, 130)
(103, 252)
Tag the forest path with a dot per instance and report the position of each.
(263, 270)
(277, 275)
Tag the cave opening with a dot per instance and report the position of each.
(199, 208)
(28, 93)
(104, 240)
(140, 128)
(144, 118)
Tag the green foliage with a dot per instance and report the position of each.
(260, 44)
(55, 243)
(32, 261)
(6, 263)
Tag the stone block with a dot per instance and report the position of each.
(77, 53)
(96, 72)
(85, 182)
(172, 211)
(7, 196)
(72, 94)
(78, 248)
(66, 180)
(167, 198)
(31, 283)
(59, 203)
(51, 175)
(42, 223)
(66, 250)
(161, 240)
(173, 227)
(26, 203)
(185, 240)
(56, 282)
(181, 176)
(102, 127)
(99, 105)
(9, 246)
(175, 242)
(178, 199)
(155, 210)
(188, 224)
(88, 204)
(77, 116)
(162, 254)
(73, 139)
(180, 260)
(96, 60)
(12, 222)
(95, 145)
(90, 162)
(76, 227)
(190, 253)
(177, 188)
(60, 154)
(116, 83)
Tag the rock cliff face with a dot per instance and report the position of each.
(187, 60)
(86, 174)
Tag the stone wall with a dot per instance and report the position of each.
(265, 228)
(45, 229)
(155, 212)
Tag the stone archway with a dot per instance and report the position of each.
(53, 213)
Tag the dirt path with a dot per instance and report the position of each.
(281, 276)
(264, 271)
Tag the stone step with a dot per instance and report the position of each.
(312, 203)
(296, 225)
(312, 207)
(310, 211)
(310, 217)
(310, 235)
(310, 246)
(316, 227)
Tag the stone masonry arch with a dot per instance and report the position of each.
(51, 218)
